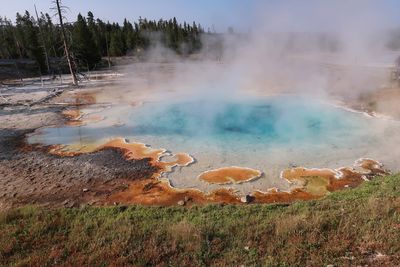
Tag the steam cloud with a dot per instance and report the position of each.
(319, 48)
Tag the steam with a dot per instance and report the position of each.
(317, 48)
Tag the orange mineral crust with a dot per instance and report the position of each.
(160, 193)
(83, 121)
(349, 178)
(138, 151)
(307, 183)
(62, 151)
(294, 174)
(81, 98)
(134, 150)
(230, 175)
(320, 181)
(313, 181)
(276, 196)
(154, 192)
(73, 117)
(371, 165)
(72, 114)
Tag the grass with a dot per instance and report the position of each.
(353, 227)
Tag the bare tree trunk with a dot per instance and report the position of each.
(19, 73)
(108, 54)
(68, 55)
(43, 42)
(18, 46)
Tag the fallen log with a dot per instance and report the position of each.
(54, 93)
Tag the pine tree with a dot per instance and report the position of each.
(94, 29)
(92, 38)
(116, 44)
(29, 41)
(83, 44)
(8, 49)
(52, 36)
(129, 35)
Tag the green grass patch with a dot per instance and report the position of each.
(346, 228)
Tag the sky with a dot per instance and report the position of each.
(221, 14)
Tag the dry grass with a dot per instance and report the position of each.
(354, 227)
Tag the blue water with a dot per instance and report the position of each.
(267, 134)
(276, 120)
(258, 122)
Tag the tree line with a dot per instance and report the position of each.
(90, 39)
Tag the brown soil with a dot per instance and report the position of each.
(37, 177)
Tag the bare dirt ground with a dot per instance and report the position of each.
(32, 176)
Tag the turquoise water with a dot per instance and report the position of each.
(274, 121)
(267, 134)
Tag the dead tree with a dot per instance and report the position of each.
(108, 53)
(65, 42)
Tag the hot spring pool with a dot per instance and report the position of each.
(267, 134)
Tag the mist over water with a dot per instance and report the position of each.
(279, 121)
(275, 120)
